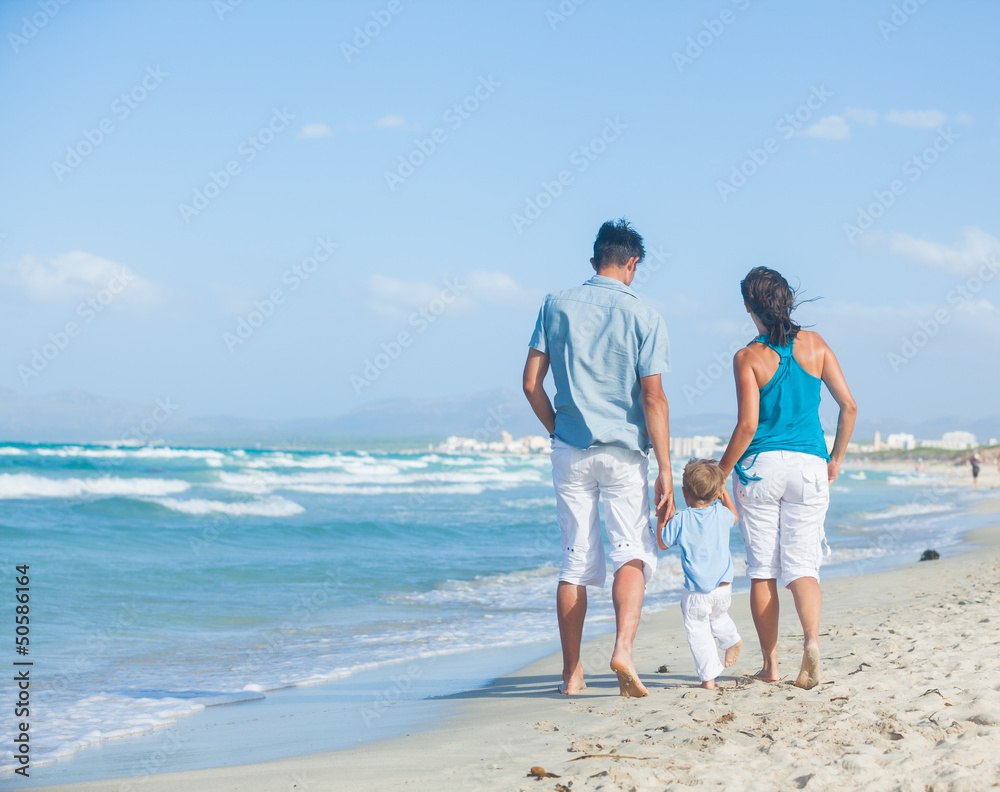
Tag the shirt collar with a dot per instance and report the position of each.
(610, 283)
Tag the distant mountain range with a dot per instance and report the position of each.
(75, 416)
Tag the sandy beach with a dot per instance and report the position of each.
(910, 700)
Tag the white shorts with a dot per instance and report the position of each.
(619, 477)
(707, 621)
(782, 515)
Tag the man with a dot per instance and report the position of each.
(607, 350)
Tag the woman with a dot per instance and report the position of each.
(781, 468)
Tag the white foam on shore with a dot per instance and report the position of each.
(917, 480)
(270, 507)
(88, 719)
(27, 485)
(138, 452)
(906, 510)
(371, 479)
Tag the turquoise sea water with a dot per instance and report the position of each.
(165, 580)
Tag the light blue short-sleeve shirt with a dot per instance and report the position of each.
(703, 536)
(601, 338)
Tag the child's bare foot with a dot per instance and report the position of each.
(628, 680)
(733, 653)
(708, 684)
(808, 676)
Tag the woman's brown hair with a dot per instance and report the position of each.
(773, 300)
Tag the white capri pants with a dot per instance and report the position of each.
(619, 476)
(707, 620)
(782, 515)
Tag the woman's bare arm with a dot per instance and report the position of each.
(837, 385)
(748, 406)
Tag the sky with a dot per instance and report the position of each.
(290, 209)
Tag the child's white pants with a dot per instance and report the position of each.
(707, 620)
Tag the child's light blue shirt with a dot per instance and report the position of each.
(703, 536)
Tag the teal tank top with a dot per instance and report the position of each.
(789, 411)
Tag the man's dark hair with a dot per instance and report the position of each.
(616, 243)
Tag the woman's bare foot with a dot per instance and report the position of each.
(808, 676)
(733, 653)
(708, 684)
(628, 680)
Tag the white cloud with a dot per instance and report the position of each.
(964, 118)
(861, 115)
(978, 309)
(830, 127)
(917, 118)
(390, 121)
(315, 131)
(397, 299)
(975, 247)
(73, 276)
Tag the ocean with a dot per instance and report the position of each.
(164, 581)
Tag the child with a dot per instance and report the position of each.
(702, 531)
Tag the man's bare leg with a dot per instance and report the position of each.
(808, 604)
(764, 608)
(571, 608)
(627, 593)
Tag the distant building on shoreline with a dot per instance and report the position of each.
(902, 441)
(952, 441)
(697, 447)
(702, 446)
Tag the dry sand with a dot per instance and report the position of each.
(910, 700)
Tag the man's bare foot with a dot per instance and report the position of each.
(808, 676)
(573, 685)
(628, 680)
(733, 653)
(708, 684)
